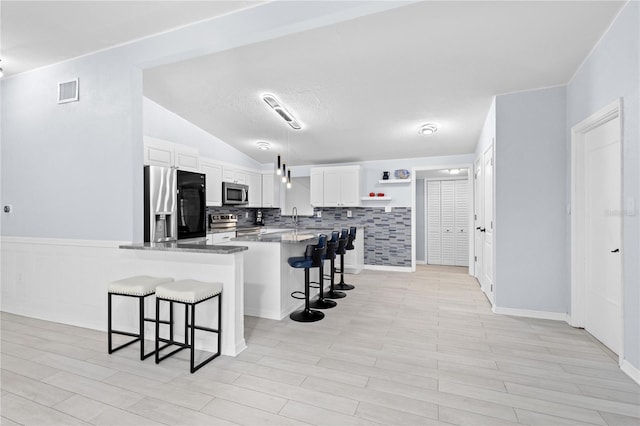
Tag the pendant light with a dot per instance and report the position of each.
(278, 170)
(289, 179)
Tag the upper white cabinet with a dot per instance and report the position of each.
(270, 190)
(316, 191)
(158, 152)
(335, 186)
(254, 181)
(231, 174)
(213, 172)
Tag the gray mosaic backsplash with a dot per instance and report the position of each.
(387, 236)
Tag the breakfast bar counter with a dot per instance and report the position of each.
(202, 262)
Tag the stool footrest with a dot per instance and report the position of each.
(294, 294)
(125, 333)
(124, 345)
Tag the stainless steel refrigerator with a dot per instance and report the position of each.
(160, 203)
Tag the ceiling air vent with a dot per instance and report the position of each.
(68, 91)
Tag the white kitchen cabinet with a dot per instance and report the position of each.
(447, 223)
(213, 172)
(158, 152)
(254, 181)
(335, 186)
(270, 190)
(316, 188)
(231, 174)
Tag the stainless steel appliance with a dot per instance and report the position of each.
(160, 204)
(223, 222)
(191, 205)
(235, 193)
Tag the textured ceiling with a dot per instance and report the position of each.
(361, 88)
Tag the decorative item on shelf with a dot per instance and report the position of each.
(372, 194)
(385, 175)
(402, 174)
(380, 194)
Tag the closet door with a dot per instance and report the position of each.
(433, 223)
(462, 223)
(447, 221)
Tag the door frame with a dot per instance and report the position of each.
(414, 170)
(578, 214)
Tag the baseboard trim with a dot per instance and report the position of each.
(421, 262)
(556, 316)
(388, 268)
(630, 371)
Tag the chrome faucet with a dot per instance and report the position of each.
(294, 218)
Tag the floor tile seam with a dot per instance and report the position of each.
(588, 404)
(604, 422)
(165, 370)
(41, 381)
(30, 360)
(51, 407)
(575, 379)
(76, 372)
(520, 401)
(636, 393)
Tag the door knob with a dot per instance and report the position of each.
(483, 230)
(477, 228)
(615, 251)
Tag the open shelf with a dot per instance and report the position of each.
(375, 198)
(385, 181)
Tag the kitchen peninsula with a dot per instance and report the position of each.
(211, 263)
(268, 278)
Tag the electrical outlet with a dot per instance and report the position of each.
(8, 208)
(246, 215)
(349, 213)
(319, 213)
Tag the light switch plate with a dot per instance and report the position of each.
(349, 213)
(319, 213)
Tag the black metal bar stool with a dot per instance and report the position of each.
(332, 247)
(312, 258)
(346, 241)
(320, 302)
(189, 293)
(139, 287)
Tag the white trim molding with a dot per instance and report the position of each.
(630, 370)
(555, 316)
(388, 268)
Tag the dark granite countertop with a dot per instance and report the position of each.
(192, 247)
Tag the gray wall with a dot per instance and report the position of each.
(530, 201)
(612, 71)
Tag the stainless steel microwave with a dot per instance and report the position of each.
(235, 193)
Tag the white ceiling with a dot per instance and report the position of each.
(360, 88)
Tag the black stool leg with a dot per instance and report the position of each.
(141, 321)
(333, 293)
(342, 285)
(306, 314)
(109, 342)
(321, 302)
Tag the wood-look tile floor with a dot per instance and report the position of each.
(400, 349)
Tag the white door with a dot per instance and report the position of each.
(461, 228)
(603, 222)
(434, 256)
(447, 221)
(478, 213)
(487, 226)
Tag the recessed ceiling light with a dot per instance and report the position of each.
(428, 129)
(263, 146)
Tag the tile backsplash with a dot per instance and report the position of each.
(387, 235)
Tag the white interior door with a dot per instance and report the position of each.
(487, 226)
(478, 214)
(461, 228)
(434, 256)
(603, 222)
(447, 221)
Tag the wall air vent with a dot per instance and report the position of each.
(68, 91)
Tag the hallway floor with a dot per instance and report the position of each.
(400, 349)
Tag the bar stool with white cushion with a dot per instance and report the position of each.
(139, 287)
(188, 293)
